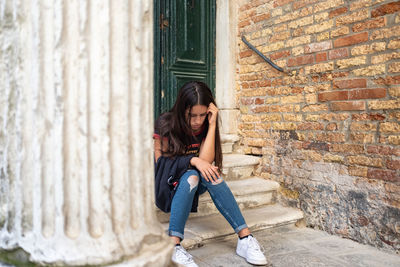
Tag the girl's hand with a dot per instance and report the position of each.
(212, 114)
(207, 170)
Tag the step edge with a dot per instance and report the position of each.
(229, 138)
(267, 185)
(237, 162)
(275, 186)
(196, 240)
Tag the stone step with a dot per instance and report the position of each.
(238, 166)
(201, 230)
(249, 193)
(227, 142)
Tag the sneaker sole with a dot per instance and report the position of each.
(254, 262)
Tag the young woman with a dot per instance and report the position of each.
(186, 143)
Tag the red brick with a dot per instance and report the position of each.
(261, 109)
(337, 12)
(338, 53)
(259, 101)
(302, 60)
(385, 175)
(245, 7)
(277, 82)
(357, 137)
(386, 9)
(246, 53)
(279, 37)
(393, 164)
(272, 92)
(340, 74)
(244, 23)
(347, 84)
(315, 146)
(368, 117)
(252, 4)
(254, 84)
(316, 78)
(331, 126)
(388, 80)
(247, 101)
(351, 40)
(261, 17)
(383, 150)
(348, 105)
(321, 57)
(256, 3)
(303, 3)
(296, 90)
(317, 47)
(282, 2)
(369, 24)
(287, 108)
(265, 83)
(297, 32)
(280, 54)
(337, 95)
(347, 148)
(327, 77)
(367, 93)
(331, 137)
(249, 77)
(247, 14)
(310, 126)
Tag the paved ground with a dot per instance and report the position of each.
(290, 246)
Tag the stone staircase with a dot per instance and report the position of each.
(256, 198)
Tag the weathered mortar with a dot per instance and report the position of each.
(329, 133)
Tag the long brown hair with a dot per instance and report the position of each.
(176, 127)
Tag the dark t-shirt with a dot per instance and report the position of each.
(195, 140)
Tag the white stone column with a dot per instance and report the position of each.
(226, 45)
(76, 123)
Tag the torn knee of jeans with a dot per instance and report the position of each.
(193, 181)
(218, 181)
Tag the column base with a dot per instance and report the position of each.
(154, 255)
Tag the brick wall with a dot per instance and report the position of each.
(330, 131)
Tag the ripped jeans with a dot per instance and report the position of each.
(183, 198)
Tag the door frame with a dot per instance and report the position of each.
(226, 26)
(157, 44)
(227, 39)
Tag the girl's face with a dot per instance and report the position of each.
(196, 115)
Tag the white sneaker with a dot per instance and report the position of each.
(181, 256)
(249, 249)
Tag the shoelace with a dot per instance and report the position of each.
(183, 254)
(254, 244)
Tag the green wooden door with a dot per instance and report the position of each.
(184, 47)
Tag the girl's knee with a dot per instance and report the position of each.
(192, 172)
(218, 181)
(193, 181)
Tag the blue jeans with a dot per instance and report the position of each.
(183, 198)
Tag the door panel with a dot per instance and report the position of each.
(191, 34)
(184, 47)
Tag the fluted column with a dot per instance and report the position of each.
(76, 160)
